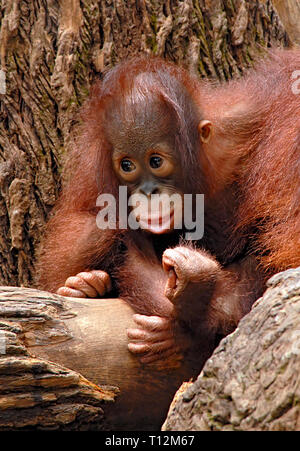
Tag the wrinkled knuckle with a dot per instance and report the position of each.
(92, 279)
(135, 333)
(146, 347)
(72, 280)
(168, 254)
(184, 253)
(155, 321)
(162, 321)
(138, 348)
(85, 275)
(105, 277)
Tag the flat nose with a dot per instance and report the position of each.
(149, 188)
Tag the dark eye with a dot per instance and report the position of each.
(127, 165)
(156, 162)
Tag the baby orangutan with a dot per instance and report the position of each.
(152, 128)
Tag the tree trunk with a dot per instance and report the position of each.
(289, 12)
(52, 51)
(36, 393)
(252, 381)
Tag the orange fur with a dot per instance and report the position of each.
(249, 172)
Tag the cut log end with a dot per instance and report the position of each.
(70, 349)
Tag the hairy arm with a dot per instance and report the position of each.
(72, 245)
(206, 302)
(206, 296)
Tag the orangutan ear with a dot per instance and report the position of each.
(205, 130)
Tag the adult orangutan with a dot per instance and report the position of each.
(153, 128)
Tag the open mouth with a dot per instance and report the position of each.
(158, 224)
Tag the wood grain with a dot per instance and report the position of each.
(289, 12)
(78, 345)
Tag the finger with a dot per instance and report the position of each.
(167, 262)
(94, 281)
(145, 336)
(151, 323)
(175, 258)
(104, 277)
(184, 251)
(78, 283)
(70, 292)
(138, 348)
(154, 348)
(172, 279)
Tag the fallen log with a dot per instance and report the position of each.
(64, 364)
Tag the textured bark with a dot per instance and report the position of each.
(36, 393)
(252, 381)
(289, 12)
(50, 53)
(89, 337)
